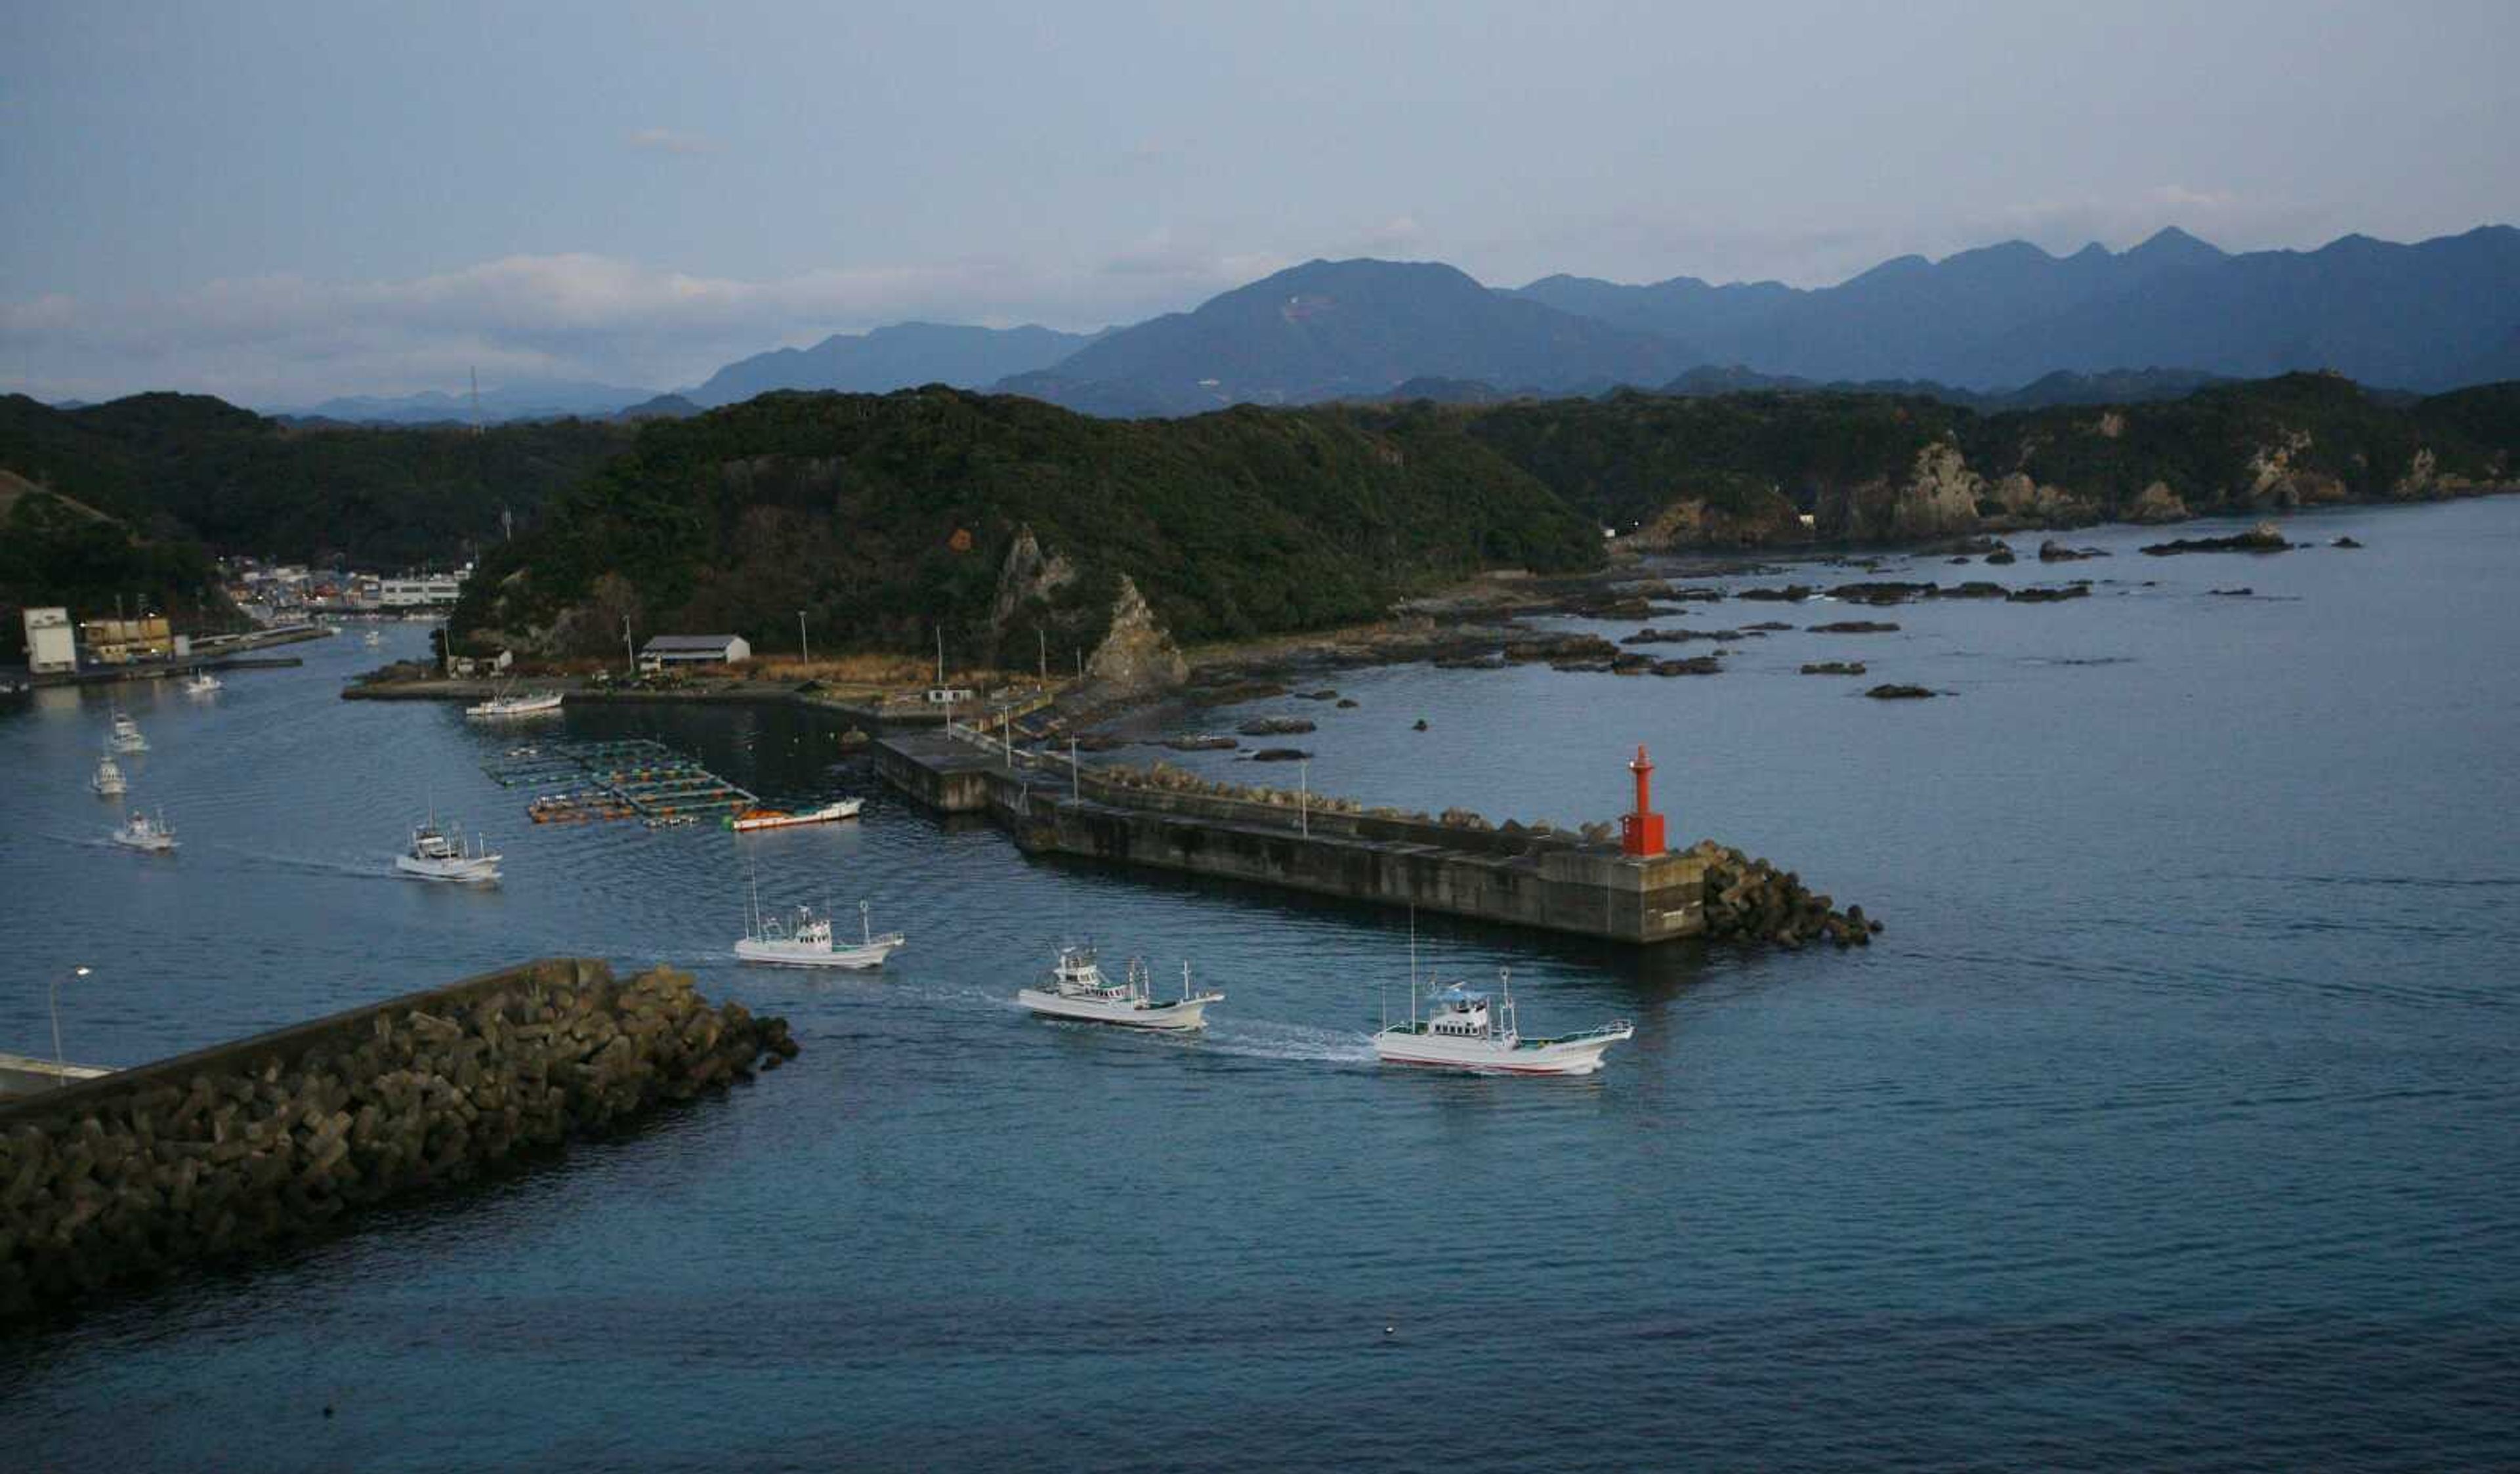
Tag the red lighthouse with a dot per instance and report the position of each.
(1641, 832)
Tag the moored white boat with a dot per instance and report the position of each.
(436, 854)
(142, 832)
(803, 939)
(1466, 1030)
(1077, 989)
(779, 818)
(109, 781)
(202, 683)
(533, 705)
(126, 736)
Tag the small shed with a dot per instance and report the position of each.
(694, 649)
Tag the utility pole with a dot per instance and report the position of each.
(628, 653)
(940, 653)
(802, 643)
(1304, 798)
(60, 1071)
(1042, 636)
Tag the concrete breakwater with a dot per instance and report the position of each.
(1552, 881)
(261, 1140)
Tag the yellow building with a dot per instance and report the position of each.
(119, 641)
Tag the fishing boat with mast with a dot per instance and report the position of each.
(109, 781)
(151, 836)
(126, 736)
(436, 854)
(506, 703)
(1078, 989)
(1466, 1029)
(803, 939)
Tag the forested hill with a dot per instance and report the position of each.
(1738, 469)
(190, 467)
(885, 516)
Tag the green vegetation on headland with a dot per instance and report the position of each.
(58, 551)
(885, 518)
(1740, 468)
(190, 466)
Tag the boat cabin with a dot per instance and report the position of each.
(1459, 1014)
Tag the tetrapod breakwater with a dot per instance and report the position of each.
(225, 1150)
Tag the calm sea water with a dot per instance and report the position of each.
(2171, 1123)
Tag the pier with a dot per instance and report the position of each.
(1552, 883)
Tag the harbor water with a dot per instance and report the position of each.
(2169, 1124)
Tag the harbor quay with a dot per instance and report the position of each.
(1635, 892)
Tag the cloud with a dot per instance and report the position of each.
(283, 340)
(668, 140)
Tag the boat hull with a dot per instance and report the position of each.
(1170, 1017)
(857, 957)
(154, 845)
(474, 872)
(527, 706)
(109, 791)
(1574, 1057)
(846, 808)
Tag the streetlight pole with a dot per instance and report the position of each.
(629, 653)
(803, 645)
(60, 1071)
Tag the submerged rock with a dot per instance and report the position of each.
(2344, 542)
(1276, 727)
(2048, 593)
(1856, 627)
(1280, 755)
(1896, 692)
(1834, 668)
(2265, 537)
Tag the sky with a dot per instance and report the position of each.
(279, 203)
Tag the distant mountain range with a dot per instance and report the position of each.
(1345, 330)
(521, 399)
(1988, 328)
(2433, 315)
(902, 356)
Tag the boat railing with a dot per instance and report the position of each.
(1617, 1028)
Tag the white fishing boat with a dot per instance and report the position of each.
(126, 736)
(803, 939)
(779, 818)
(437, 855)
(202, 683)
(1466, 1030)
(142, 832)
(109, 781)
(373, 640)
(540, 703)
(1077, 989)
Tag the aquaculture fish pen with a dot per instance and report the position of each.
(581, 782)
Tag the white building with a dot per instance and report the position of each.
(694, 649)
(429, 592)
(52, 645)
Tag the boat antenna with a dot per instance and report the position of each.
(1413, 967)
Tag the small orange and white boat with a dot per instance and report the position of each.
(779, 818)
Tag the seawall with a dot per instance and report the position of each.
(256, 1141)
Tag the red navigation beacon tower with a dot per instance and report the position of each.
(1641, 832)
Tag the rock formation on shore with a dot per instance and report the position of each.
(1137, 655)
